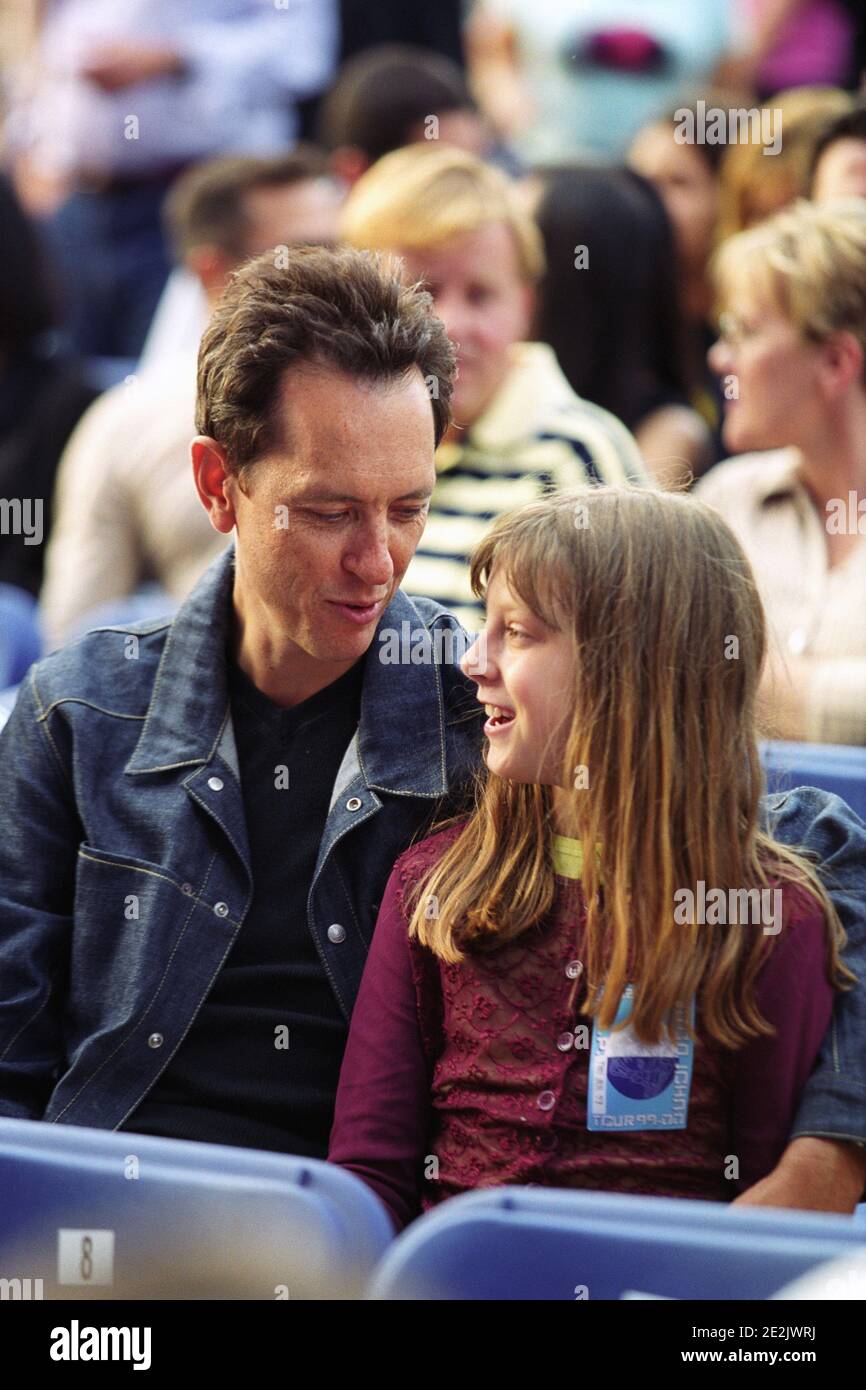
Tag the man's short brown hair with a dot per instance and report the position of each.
(340, 309)
(205, 206)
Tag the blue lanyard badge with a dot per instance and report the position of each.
(638, 1085)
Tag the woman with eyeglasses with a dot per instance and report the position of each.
(791, 357)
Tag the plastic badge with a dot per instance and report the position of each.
(637, 1085)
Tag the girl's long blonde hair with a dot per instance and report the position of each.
(661, 759)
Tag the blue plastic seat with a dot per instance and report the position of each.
(178, 1210)
(20, 637)
(833, 767)
(528, 1243)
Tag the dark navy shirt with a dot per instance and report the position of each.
(260, 1064)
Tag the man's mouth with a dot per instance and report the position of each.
(359, 613)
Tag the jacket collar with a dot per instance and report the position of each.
(401, 737)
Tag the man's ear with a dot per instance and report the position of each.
(216, 486)
(348, 163)
(211, 266)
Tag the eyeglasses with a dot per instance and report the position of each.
(733, 330)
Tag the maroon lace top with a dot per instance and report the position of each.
(463, 1076)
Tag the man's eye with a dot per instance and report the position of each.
(329, 516)
(411, 513)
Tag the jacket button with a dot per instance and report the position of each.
(336, 933)
(186, 888)
(155, 1040)
(354, 803)
(216, 784)
(221, 909)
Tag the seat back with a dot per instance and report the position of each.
(832, 767)
(87, 1210)
(523, 1243)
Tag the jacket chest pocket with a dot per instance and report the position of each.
(129, 916)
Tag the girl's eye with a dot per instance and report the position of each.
(517, 632)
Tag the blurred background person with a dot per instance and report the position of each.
(569, 81)
(118, 99)
(754, 185)
(793, 350)
(796, 43)
(839, 163)
(42, 393)
(686, 176)
(393, 95)
(295, 192)
(127, 512)
(519, 429)
(608, 306)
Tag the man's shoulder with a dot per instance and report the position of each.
(449, 637)
(813, 818)
(433, 614)
(112, 669)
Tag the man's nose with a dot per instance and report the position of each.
(719, 357)
(370, 557)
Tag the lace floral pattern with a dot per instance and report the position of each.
(509, 1085)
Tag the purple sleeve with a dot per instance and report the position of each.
(382, 1117)
(794, 995)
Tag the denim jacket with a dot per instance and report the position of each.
(124, 864)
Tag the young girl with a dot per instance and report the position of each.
(609, 976)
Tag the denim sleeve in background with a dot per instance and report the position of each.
(833, 1105)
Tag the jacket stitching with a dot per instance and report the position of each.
(135, 868)
(137, 1025)
(79, 700)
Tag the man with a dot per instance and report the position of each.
(124, 97)
(261, 772)
(126, 509)
(518, 429)
(201, 816)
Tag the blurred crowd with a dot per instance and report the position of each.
(642, 224)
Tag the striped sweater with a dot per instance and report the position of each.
(535, 436)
